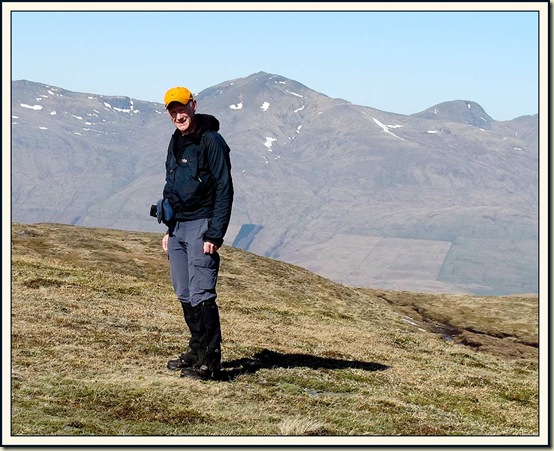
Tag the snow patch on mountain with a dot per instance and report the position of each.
(386, 129)
(31, 107)
(268, 142)
(293, 93)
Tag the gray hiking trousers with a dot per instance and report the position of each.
(193, 273)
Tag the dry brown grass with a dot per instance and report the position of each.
(506, 326)
(94, 320)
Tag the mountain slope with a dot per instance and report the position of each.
(94, 321)
(460, 111)
(403, 202)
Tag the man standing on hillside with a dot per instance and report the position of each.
(199, 189)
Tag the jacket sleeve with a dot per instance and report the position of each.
(220, 166)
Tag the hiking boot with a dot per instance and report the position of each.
(200, 373)
(191, 373)
(207, 364)
(193, 320)
(185, 360)
(211, 365)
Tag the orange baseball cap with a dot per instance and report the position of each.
(178, 94)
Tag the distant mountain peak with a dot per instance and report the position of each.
(425, 202)
(460, 111)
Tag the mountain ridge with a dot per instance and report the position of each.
(460, 104)
(311, 173)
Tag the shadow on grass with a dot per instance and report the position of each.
(272, 359)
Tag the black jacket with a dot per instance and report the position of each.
(198, 177)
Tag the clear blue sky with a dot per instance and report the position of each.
(399, 61)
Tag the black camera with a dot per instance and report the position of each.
(163, 211)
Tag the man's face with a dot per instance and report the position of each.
(182, 115)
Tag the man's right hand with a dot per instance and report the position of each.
(164, 242)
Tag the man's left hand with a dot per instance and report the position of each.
(210, 248)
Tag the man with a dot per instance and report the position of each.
(199, 188)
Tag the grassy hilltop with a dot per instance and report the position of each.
(94, 321)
